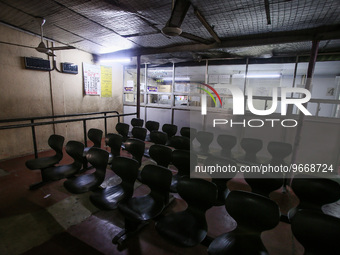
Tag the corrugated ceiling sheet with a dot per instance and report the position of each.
(237, 18)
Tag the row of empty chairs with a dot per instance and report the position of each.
(189, 227)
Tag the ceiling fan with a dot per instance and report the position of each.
(42, 46)
(173, 26)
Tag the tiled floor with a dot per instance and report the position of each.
(50, 220)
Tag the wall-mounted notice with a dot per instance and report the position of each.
(129, 85)
(91, 79)
(106, 81)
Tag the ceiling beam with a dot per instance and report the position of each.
(266, 5)
(207, 26)
(319, 33)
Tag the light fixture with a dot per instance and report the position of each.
(263, 75)
(115, 60)
(176, 79)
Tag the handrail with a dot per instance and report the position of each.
(32, 124)
(55, 116)
(60, 121)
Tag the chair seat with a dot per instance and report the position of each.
(182, 228)
(109, 197)
(58, 172)
(141, 208)
(236, 244)
(41, 163)
(82, 184)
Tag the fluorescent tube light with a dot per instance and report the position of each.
(263, 75)
(176, 79)
(115, 60)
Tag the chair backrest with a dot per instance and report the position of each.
(95, 135)
(161, 154)
(279, 151)
(204, 138)
(197, 193)
(98, 158)
(188, 132)
(170, 129)
(152, 125)
(158, 137)
(317, 232)
(114, 141)
(158, 179)
(136, 122)
(136, 148)
(56, 142)
(314, 192)
(227, 142)
(75, 149)
(251, 146)
(126, 169)
(180, 142)
(139, 133)
(123, 129)
(184, 160)
(252, 212)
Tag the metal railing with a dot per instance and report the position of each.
(33, 124)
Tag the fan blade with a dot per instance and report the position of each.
(62, 48)
(49, 53)
(178, 13)
(195, 38)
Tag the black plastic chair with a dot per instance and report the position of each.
(205, 139)
(56, 142)
(184, 161)
(189, 227)
(279, 151)
(161, 154)
(152, 125)
(108, 198)
(136, 122)
(158, 137)
(314, 192)
(221, 179)
(251, 146)
(98, 158)
(179, 142)
(253, 214)
(123, 130)
(188, 132)
(170, 129)
(75, 150)
(114, 141)
(227, 142)
(138, 210)
(139, 133)
(317, 232)
(95, 135)
(136, 148)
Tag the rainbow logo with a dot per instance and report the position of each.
(204, 98)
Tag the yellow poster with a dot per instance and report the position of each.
(106, 81)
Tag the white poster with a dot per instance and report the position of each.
(91, 79)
